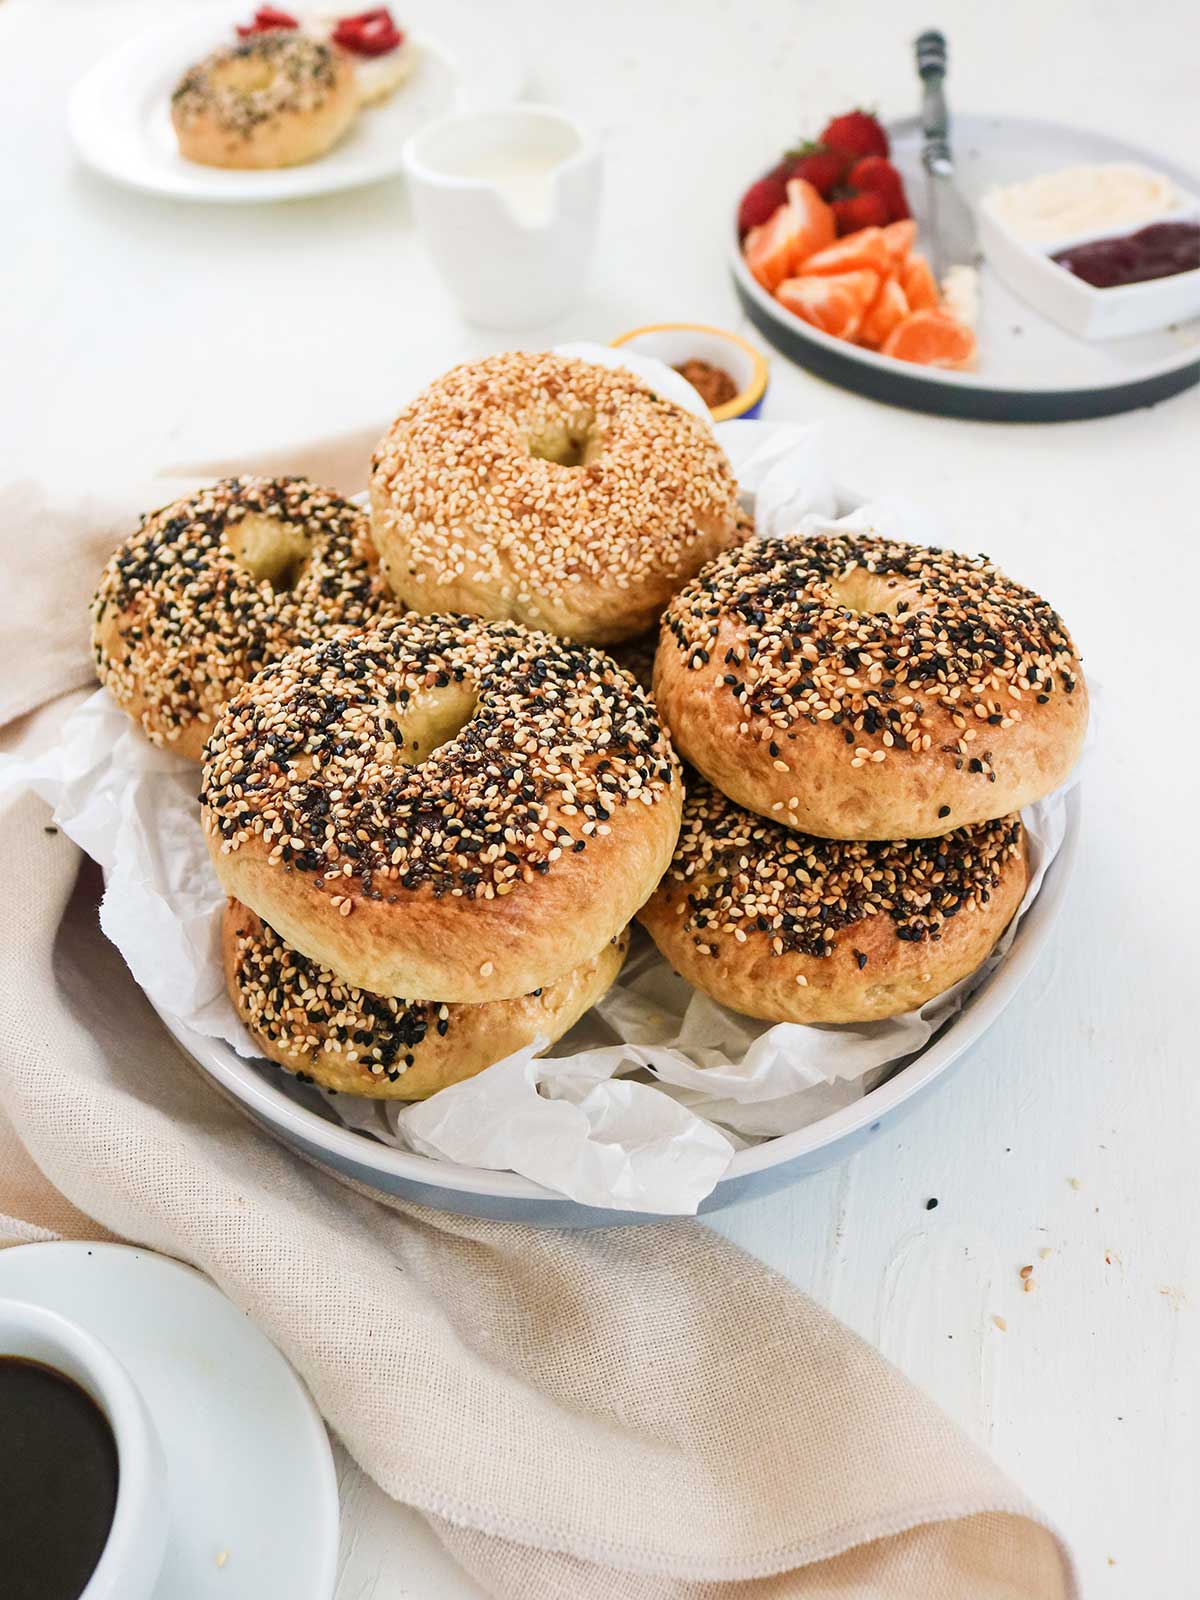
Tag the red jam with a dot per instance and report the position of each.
(1159, 251)
(370, 33)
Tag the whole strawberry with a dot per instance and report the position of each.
(760, 203)
(824, 169)
(860, 211)
(875, 175)
(856, 134)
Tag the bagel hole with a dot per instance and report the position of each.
(874, 593)
(426, 724)
(569, 442)
(271, 551)
(245, 74)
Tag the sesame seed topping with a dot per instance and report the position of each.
(306, 1010)
(734, 871)
(211, 588)
(893, 645)
(313, 759)
(556, 486)
(295, 75)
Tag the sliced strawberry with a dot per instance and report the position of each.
(888, 309)
(266, 20)
(824, 169)
(856, 134)
(876, 175)
(865, 250)
(933, 339)
(834, 305)
(860, 211)
(919, 283)
(369, 33)
(900, 238)
(760, 203)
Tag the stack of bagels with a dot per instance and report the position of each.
(436, 802)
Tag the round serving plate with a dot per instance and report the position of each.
(297, 1114)
(1030, 370)
(120, 112)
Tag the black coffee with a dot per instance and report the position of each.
(58, 1483)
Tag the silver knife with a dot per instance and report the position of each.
(950, 222)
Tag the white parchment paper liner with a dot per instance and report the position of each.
(642, 1106)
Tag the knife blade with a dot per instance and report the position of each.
(950, 222)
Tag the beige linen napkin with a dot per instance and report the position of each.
(643, 1412)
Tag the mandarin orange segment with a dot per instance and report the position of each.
(889, 307)
(864, 251)
(900, 238)
(816, 221)
(932, 339)
(770, 250)
(919, 284)
(835, 305)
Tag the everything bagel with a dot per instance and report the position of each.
(442, 806)
(862, 688)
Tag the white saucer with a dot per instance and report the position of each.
(119, 113)
(252, 1490)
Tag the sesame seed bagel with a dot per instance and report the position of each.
(791, 928)
(308, 1020)
(442, 806)
(210, 588)
(272, 100)
(861, 688)
(548, 491)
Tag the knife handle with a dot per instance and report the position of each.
(935, 119)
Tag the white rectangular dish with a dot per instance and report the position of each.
(1079, 307)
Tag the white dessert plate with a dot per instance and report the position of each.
(251, 1484)
(119, 113)
(1030, 369)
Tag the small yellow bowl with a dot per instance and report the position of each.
(677, 342)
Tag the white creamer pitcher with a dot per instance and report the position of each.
(507, 200)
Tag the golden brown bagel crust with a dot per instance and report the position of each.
(211, 587)
(272, 100)
(313, 1023)
(442, 806)
(861, 688)
(791, 928)
(551, 492)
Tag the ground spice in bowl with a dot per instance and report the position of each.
(714, 385)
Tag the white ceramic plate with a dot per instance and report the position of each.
(300, 1115)
(250, 1471)
(1030, 370)
(119, 113)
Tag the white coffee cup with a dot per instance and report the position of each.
(508, 201)
(132, 1557)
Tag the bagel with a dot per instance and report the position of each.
(545, 490)
(861, 688)
(210, 588)
(271, 100)
(442, 806)
(311, 1022)
(787, 927)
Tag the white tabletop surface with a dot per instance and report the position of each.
(137, 333)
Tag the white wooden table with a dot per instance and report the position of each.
(138, 333)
